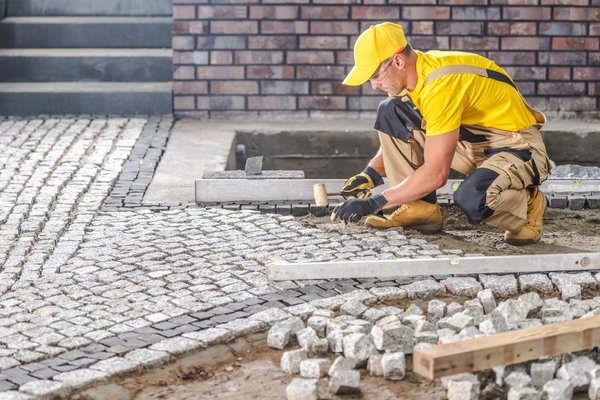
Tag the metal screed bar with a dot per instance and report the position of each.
(434, 266)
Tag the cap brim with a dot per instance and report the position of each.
(360, 74)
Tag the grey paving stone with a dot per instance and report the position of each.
(500, 285)
(80, 378)
(45, 389)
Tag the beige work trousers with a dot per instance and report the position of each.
(507, 194)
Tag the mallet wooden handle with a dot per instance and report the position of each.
(320, 193)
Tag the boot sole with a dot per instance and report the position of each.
(431, 228)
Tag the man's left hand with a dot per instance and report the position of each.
(353, 210)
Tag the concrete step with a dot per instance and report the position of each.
(85, 32)
(22, 8)
(94, 98)
(116, 65)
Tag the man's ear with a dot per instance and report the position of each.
(399, 61)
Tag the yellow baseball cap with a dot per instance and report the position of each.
(376, 44)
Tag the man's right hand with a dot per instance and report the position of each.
(360, 184)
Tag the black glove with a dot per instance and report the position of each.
(353, 210)
(358, 186)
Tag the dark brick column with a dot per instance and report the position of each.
(270, 58)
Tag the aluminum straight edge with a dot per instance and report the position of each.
(224, 190)
(434, 266)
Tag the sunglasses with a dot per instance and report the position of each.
(379, 74)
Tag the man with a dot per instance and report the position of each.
(446, 110)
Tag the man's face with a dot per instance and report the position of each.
(390, 77)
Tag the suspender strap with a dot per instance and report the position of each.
(487, 73)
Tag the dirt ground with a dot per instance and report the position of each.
(257, 375)
(565, 231)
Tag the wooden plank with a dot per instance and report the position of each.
(434, 266)
(225, 190)
(507, 348)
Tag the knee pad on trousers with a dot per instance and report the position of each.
(471, 195)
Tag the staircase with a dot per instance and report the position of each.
(94, 57)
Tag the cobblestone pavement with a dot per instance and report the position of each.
(88, 273)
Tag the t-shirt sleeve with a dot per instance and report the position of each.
(442, 106)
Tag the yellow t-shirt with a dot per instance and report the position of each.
(466, 99)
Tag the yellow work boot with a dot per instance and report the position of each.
(419, 215)
(532, 231)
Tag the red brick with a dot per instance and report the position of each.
(280, 1)
(333, 87)
(575, 43)
(594, 58)
(539, 103)
(565, 2)
(562, 28)
(462, 2)
(503, 58)
(498, 28)
(526, 13)
(577, 13)
(320, 72)
(475, 13)
(523, 28)
(527, 73)
(222, 12)
(422, 28)
(180, 27)
(183, 2)
(184, 12)
(373, 2)
(325, 12)
(272, 102)
(586, 73)
(322, 102)
(182, 42)
(594, 89)
(183, 73)
(183, 57)
(458, 28)
(234, 115)
(234, 87)
(272, 42)
(472, 43)
(336, 1)
(345, 57)
(516, 2)
(270, 72)
(258, 57)
(293, 27)
(283, 87)
(310, 57)
(221, 57)
(323, 42)
(334, 28)
(573, 103)
(198, 26)
(559, 73)
(221, 102)
(430, 43)
(525, 43)
(427, 13)
(526, 88)
(233, 27)
(225, 42)
(561, 88)
(190, 87)
(378, 13)
(274, 12)
(367, 103)
(562, 58)
(184, 102)
(595, 29)
(220, 72)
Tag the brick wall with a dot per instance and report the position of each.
(270, 58)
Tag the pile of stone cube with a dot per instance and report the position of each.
(377, 338)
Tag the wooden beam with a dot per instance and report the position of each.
(433, 266)
(507, 348)
(272, 190)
